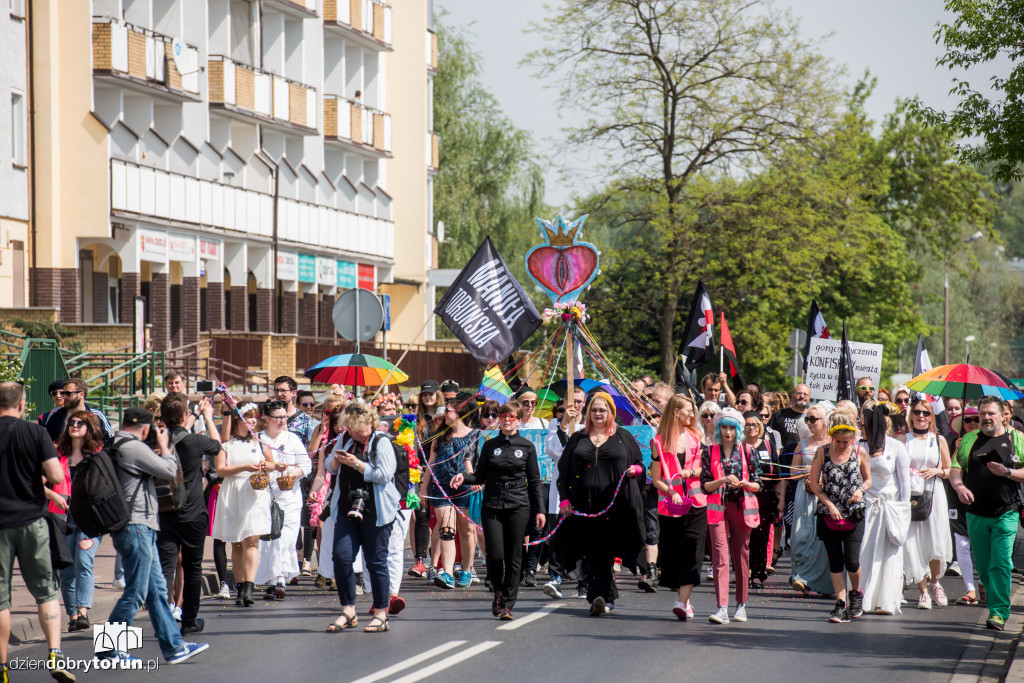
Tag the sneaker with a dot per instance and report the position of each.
(444, 580)
(799, 585)
(195, 627)
(597, 607)
(530, 580)
(187, 650)
(581, 592)
(304, 569)
(396, 604)
(176, 613)
(839, 615)
(552, 590)
(689, 611)
(57, 669)
(609, 607)
(279, 592)
(432, 574)
(856, 604)
(505, 614)
(679, 609)
(465, 579)
(721, 616)
(473, 576)
(419, 569)
(617, 565)
(995, 622)
(924, 602)
(940, 595)
(496, 606)
(118, 584)
(269, 593)
(741, 612)
(710, 574)
(954, 569)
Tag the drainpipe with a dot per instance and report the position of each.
(32, 149)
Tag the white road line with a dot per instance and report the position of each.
(542, 612)
(447, 662)
(412, 661)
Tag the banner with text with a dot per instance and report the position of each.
(823, 365)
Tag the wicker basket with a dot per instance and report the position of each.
(285, 482)
(259, 481)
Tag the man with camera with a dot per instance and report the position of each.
(986, 475)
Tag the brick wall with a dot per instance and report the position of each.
(35, 315)
(279, 355)
(356, 14)
(215, 80)
(264, 310)
(100, 294)
(378, 129)
(70, 296)
(331, 117)
(331, 10)
(289, 323)
(239, 309)
(177, 312)
(101, 58)
(308, 315)
(190, 307)
(98, 338)
(356, 117)
(173, 75)
(326, 320)
(130, 288)
(297, 104)
(136, 54)
(214, 306)
(160, 311)
(378, 22)
(245, 88)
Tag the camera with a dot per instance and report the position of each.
(204, 386)
(358, 499)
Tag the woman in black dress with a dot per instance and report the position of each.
(589, 470)
(510, 474)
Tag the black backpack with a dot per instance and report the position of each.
(401, 478)
(172, 493)
(97, 501)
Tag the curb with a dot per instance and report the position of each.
(991, 656)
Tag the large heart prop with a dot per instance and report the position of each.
(564, 266)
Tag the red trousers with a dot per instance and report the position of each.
(731, 538)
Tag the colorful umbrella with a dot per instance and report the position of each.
(355, 369)
(959, 380)
(494, 387)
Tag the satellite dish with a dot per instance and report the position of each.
(440, 231)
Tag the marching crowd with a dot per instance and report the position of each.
(867, 497)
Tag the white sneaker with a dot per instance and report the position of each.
(118, 584)
(689, 611)
(924, 602)
(954, 569)
(710, 574)
(741, 612)
(940, 594)
(225, 592)
(552, 590)
(176, 612)
(720, 617)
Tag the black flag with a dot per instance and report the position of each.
(816, 328)
(922, 363)
(487, 309)
(698, 345)
(683, 385)
(738, 383)
(845, 384)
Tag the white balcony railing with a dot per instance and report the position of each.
(349, 120)
(146, 57)
(262, 94)
(146, 191)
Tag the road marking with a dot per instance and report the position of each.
(412, 661)
(539, 614)
(447, 662)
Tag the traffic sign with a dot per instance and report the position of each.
(358, 315)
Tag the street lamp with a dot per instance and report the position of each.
(945, 300)
(967, 346)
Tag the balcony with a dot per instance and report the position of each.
(433, 152)
(301, 9)
(431, 51)
(366, 22)
(247, 93)
(144, 60)
(177, 200)
(356, 126)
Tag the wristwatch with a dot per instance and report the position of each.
(1007, 473)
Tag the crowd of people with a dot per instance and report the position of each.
(868, 498)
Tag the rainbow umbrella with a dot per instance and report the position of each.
(494, 387)
(967, 381)
(355, 369)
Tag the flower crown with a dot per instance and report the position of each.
(386, 398)
(841, 428)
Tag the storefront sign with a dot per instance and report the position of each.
(307, 268)
(287, 266)
(347, 275)
(367, 276)
(326, 271)
(209, 249)
(182, 248)
(152, 245)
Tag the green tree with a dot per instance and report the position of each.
(981, 33)
(490, 180)
(675, 92)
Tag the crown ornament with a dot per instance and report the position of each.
(561, 233)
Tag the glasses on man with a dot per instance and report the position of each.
(508, 416)
(865, 387)
(70, 393)
(921, 413)
(743, 402)
(280, 418)
(75, 424)
(308, 404)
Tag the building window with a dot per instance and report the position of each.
(18, 8)
(18, 137)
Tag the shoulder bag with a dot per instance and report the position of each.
(921, 503)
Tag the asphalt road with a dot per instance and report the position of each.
(450, 634)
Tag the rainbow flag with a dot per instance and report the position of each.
(494, 387)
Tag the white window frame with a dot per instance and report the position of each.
(17, 8)
(19, 130)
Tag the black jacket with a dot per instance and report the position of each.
(510, 474)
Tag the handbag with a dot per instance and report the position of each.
(276, 521)
(844, 524)
(921, 504)
(60, 554)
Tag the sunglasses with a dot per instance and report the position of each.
(528, 403)
(707, 416)
(55, 393)
(490, 416)
(920, 413)
(972, 419)
(560, 411)
(308, 404)
(743, 402)
(765, 416)
(811, 420)
(70, 393)
(866, 387)
(75, 424)
(903, 401)
(508, 416)
(753, 425)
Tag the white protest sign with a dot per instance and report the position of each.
(823, 365)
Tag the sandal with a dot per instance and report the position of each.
(381, 626)
(350, 622)
(967, 599)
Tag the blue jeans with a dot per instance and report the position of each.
(145, 584)
(77, 581)
(349, 536)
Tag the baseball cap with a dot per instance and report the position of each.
(429, 387)
(137, 416)
(449, 386)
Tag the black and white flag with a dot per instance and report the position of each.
(487, 309)
(698, 344)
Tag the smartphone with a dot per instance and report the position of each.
(204, 386)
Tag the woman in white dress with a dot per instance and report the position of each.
(278, 560)
(929, 546)
(810, 562)
(886, 515)
(243, 513)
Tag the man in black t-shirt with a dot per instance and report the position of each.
(786, 420)
(184, 530)
(26, 456)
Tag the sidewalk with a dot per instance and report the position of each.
(25, 622)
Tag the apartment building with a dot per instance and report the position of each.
(14, 155)
(237, 164)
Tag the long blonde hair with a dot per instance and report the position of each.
(668, 429)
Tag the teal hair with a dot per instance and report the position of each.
(728, 421)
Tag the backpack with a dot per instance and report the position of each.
(97, 501)
(171, 493)
(401, 478)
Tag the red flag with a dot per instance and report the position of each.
(816, 328)
(738, 384)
